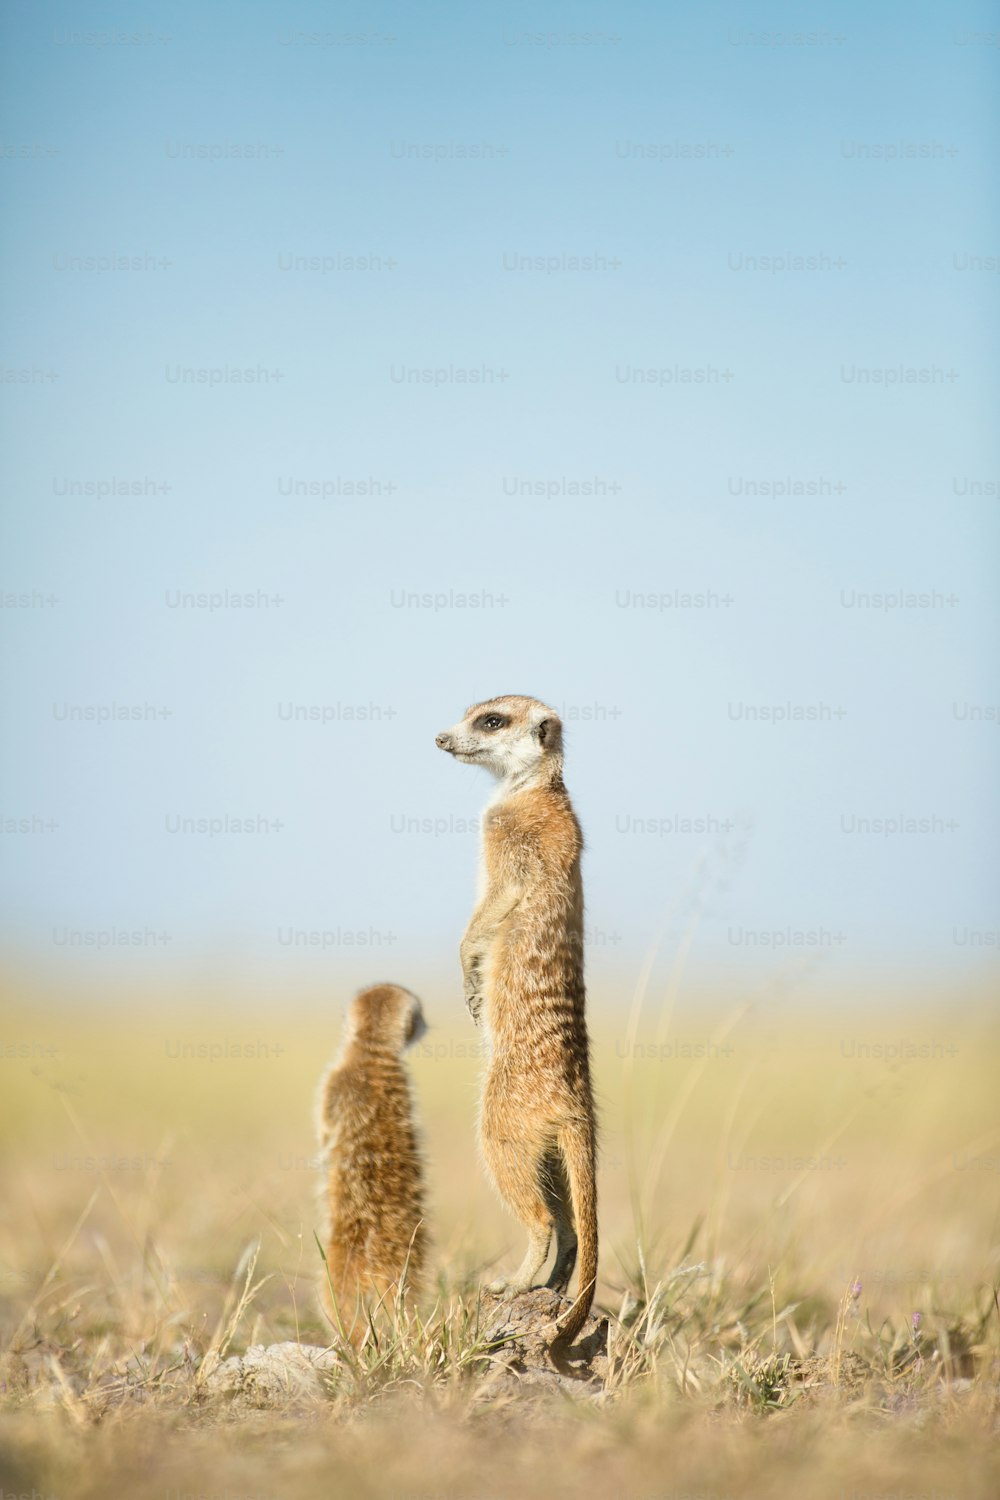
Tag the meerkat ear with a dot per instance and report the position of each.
(543, 730)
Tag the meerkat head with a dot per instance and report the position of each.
(388, 1014)
(513, 737)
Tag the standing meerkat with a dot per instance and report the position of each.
(368, 1139)
(522, 963)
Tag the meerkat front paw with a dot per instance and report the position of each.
(473, 993)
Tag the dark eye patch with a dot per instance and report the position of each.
(492, 721)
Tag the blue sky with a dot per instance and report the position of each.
(551, 307)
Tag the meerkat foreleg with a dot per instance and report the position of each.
(472, 954)
(479, 937)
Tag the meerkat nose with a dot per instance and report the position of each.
(443, 740)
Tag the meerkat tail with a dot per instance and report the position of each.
(576, 1142)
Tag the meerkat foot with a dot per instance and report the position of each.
(509, 1287)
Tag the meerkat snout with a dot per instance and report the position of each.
(443, 740)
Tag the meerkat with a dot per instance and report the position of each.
(373, 1165)
(522, 965)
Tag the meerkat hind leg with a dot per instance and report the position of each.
(520, 1178)
(561, 1204)
(539, 1240)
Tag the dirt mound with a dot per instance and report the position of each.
(521, 1357)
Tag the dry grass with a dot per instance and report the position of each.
(821, 1327)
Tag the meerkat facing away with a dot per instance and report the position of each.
(522, 964)
(374, 1170)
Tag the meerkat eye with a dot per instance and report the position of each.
(492, 721)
